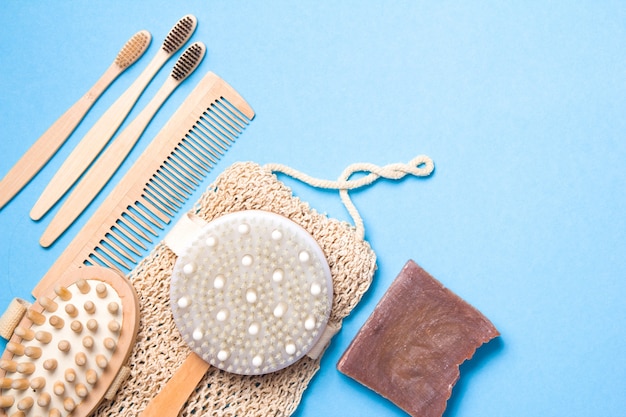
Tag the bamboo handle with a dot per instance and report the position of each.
(173, 396)
(104, 168)
(46, 146)
(95, 140)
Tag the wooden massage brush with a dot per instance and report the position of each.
(251, 293)
(69, 350)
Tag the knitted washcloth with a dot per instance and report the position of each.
(160, 349)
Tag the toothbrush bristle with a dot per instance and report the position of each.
(180, 34)
(188, 61)
(133, 49)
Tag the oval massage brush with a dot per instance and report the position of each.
(251, 295)
(101, 132)
(68, 351)
(47, 145)
(105, 166)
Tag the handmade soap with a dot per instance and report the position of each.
(410, 348)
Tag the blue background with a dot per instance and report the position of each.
(520, 104)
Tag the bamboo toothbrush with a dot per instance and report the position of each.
(111, 158)
(46, 146)
(99, 135)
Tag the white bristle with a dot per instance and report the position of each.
(261, 291)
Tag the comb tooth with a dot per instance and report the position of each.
(118, 239)
(219, 124)
(183, 185)
(159, 201)
(209, 144)
(122, 251)
(192, 160)
(162, 189)
(101, 260)
(186, 168)
(193, 148)
(175, 170)
(166, 176)
(236, 123)
(206, 145)
(131, 225)
(152, 212)
(225, 126)
(108, 252)
(235, 113)
(226, 119)
(166, 182)
(126, 235)
(213, 136)
(140, 222)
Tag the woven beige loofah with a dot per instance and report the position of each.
(160, 349)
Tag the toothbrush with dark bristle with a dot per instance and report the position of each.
(112, 157)
(46, 146)
(104, 129)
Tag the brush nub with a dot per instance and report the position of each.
(64, 353)
(188, 61)
(180, 33)
(133, 49)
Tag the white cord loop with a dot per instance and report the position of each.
(420, 166)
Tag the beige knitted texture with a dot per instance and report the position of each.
(160, 349)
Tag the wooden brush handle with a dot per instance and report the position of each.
(173, 396)
(95, 140)
(47, 145)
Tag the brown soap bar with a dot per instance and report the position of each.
(410, 348)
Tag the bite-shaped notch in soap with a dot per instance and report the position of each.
(71, 345)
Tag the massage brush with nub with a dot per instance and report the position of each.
(251, 293)
(69, 350)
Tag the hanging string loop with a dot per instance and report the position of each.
(420, 166)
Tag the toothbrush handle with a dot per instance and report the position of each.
(104, 167)
(95, 140)
(175, 393)
(46, 146)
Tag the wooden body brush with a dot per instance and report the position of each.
(107, 164)
(102, 131)
(47, 145)
(69, 350)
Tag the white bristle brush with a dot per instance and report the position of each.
(108, 162)
(48, 143)
(70, 346)
(251, 294)
(99, 135)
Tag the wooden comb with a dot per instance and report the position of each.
(190, 144)
(69, 349)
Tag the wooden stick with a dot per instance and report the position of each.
(173, 396)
